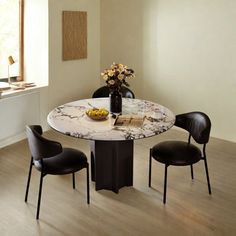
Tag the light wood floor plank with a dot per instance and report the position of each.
(136, 210)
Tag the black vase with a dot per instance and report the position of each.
(115, 102)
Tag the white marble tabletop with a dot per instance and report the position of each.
(71, 119)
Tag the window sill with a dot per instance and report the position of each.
(16, 91)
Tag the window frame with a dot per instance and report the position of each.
(21, 40)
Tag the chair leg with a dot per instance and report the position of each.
(192, 171)
(165, 184)
(207, 175)
(39, 197)
(73, 180)
(28, 181)
(88, 196)
(150, 168)
(92, 166)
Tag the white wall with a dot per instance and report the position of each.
(122, 37)
(68, 80)
(72, 80)
(15, 114)
(184, 53)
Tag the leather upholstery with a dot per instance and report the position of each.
(68, 161)
(197, 124)
(181, 153)
(49, 156)
(104, 92)
(176, 153)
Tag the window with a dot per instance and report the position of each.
(11, 38)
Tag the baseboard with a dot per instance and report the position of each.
(14, 139)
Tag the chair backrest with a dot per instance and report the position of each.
(198, 125)
(104, 92)
(41, 147)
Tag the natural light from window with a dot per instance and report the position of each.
(9, 37)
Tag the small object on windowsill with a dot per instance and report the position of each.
(19, 88)
(4, 86)
(18, 79)
(22, 85)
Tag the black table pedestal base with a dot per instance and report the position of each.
(112, 164)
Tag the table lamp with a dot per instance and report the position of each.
(10, 62)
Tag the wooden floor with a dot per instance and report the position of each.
(136, 210)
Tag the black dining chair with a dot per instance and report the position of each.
(104, 92)
(179, 153)
(49, 157)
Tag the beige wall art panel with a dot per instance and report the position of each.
(74, 33)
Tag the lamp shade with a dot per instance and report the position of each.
(11, 60)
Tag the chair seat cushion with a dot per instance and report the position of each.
(176, 153)
(68, 161)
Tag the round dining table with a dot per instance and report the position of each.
(112, 142)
